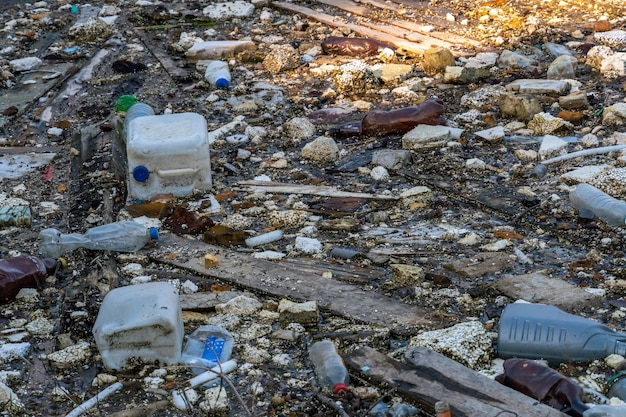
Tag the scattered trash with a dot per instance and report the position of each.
(218, 74)
(25, 271)
(93, 401)
(329, 366)
(442, 408)
(122, 236)
(140, 322)
(541, 331)
(179, 396)
(206, 347)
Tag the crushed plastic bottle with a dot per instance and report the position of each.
(377, 123)
(541, 331)
(122, 236)
(617, 386)
(207, 346)
(218, 74)
(329, 366)
(543, 384)
(339, 45)
(25, 271)
(594, 203)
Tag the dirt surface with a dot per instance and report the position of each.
(143, 57)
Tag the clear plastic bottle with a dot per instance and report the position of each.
(25, 271)
(541, 331)
(442, 408)
(206, 347)
(605, 410)
(329, 366)
(218, 74)
(594, 203)
(617, 386)
(122, 236)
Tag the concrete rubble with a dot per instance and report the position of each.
(451, 220)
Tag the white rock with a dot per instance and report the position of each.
(269, 255)
(71, 356)
(324, 149)
(552, 146)
(497, 245)
(240, 306)
(491, 135)
(40, 327)
(476, 164)
(228, 10)
(379, 173)
(28, 295)
(9, 400)
(215, 401)
(308, 245)
(25, 64)
(426, 136)
(12, 351)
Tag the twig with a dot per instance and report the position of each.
(317, 391)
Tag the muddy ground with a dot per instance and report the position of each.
(143, 60)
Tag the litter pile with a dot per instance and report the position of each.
(283, 208)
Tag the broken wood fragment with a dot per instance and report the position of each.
(427, 377)
(320, 190)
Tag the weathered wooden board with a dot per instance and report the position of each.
(320, 190)
(283, 280)
(428, 377)
(409, 47)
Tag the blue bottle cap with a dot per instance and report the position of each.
(222, 83)
(154, 233)
(141, 173)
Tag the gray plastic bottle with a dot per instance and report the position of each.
(594, 203)
(541, 331)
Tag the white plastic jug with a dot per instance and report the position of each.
(142, 321)
(167, 154)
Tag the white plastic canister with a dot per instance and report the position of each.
(167, 154)
(142, 321)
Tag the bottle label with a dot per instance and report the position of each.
(213, 348)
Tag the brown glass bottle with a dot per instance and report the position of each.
(543, 384)
(378, 123)
(24, 271)
(339, 45)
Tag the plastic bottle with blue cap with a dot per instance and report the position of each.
(218, 74)
(122, 236)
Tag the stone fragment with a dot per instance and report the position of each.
(480, 264)
(355, 77)
(537, 287)
(215, 401)
(71, 356)
(207, 50)
(9, 400)
(13, 351)
(492, 135)
(306, 314)
(573, 101)
(519, 106)
(545, 124)
(510, 59)
(392, 74)
(92, 30)
(228, 10)
(241, 306)
(478, 67)
(615, 39)
(483, 98)
(298, 129)
(532, 86)
(584, 174)
(425, 137)
(391, 158)
(452, 74)
(308, 245)
(526, 154)
(435, 60)
(281, 58)
(379, 173)
(467, 343)
(25, 64)
(552, 146)
(614, 115)
(403, 275)
(416, 195)
(322, 150)
(562, 68)
(557, 50)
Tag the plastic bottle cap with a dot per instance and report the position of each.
(340, 389)
(222, 83)
(62, 263)
(154, 233)
(141, 173)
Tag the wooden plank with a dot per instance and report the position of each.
(319, 190)
(403, 45)
(284, 281)
(165, 59)
(416, 32)
(428, 377)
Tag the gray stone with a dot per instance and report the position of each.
(537, 287)
(425, 137)
(519, 106)
(391, 158)
(584, 174)
(557, 50)
(483, 98)
(494, 134)
(481, 264)
(510, 59)
(452, 74)
(25, 64)
(552, 146)
(479, 67)
(403, 275)
(355, 77)
(322, 150)
(562, 68)
(531, 86)
(228, 10)
(298, 129)
(306, 314)
(573, 101)
(435, 60)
